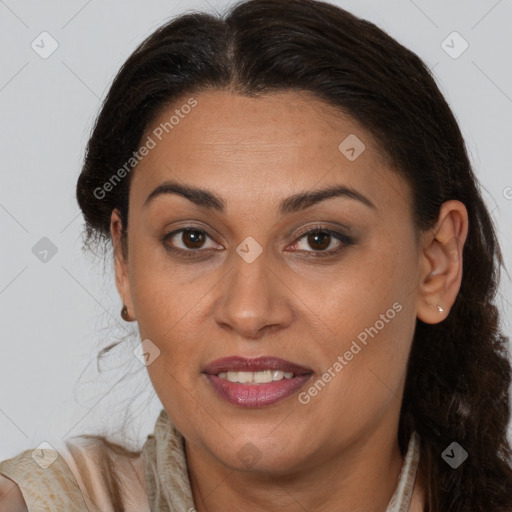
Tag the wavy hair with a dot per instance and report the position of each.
(459, 370)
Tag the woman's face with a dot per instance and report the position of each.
(241, 277)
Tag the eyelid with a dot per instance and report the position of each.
(323, 226)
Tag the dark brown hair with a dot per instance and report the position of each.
(459, 373)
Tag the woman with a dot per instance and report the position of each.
(300, 237)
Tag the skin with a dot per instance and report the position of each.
(340, 450)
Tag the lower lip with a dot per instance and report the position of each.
(256, 395)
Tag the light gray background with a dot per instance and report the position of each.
(55, 316)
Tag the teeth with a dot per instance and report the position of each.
(262, 377)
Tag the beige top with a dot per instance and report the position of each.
(157, 480)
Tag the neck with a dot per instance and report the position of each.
(361, 477)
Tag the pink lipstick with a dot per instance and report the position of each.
(255, 382)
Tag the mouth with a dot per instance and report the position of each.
(255, 382)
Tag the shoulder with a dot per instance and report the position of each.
(78, 476)
(41, 477)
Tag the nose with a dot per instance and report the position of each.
(254, 300)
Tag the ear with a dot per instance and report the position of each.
(441, 262)
(121, 262)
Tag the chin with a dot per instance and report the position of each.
(262, 451)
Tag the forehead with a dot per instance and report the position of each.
(266, 146)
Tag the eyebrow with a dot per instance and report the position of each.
(297, 202)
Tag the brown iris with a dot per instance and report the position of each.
(195, 237)
(314, 237)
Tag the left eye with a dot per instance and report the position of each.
(320, 239)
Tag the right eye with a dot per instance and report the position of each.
(192, 239)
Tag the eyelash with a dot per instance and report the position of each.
(346, 240)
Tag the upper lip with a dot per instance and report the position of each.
(242, 364)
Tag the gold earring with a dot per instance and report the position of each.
(124, 314)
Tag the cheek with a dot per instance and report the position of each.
(362, 292)
(166, 311)
(167, 315)
(165, 297)
(370, 310)
(364, 371)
